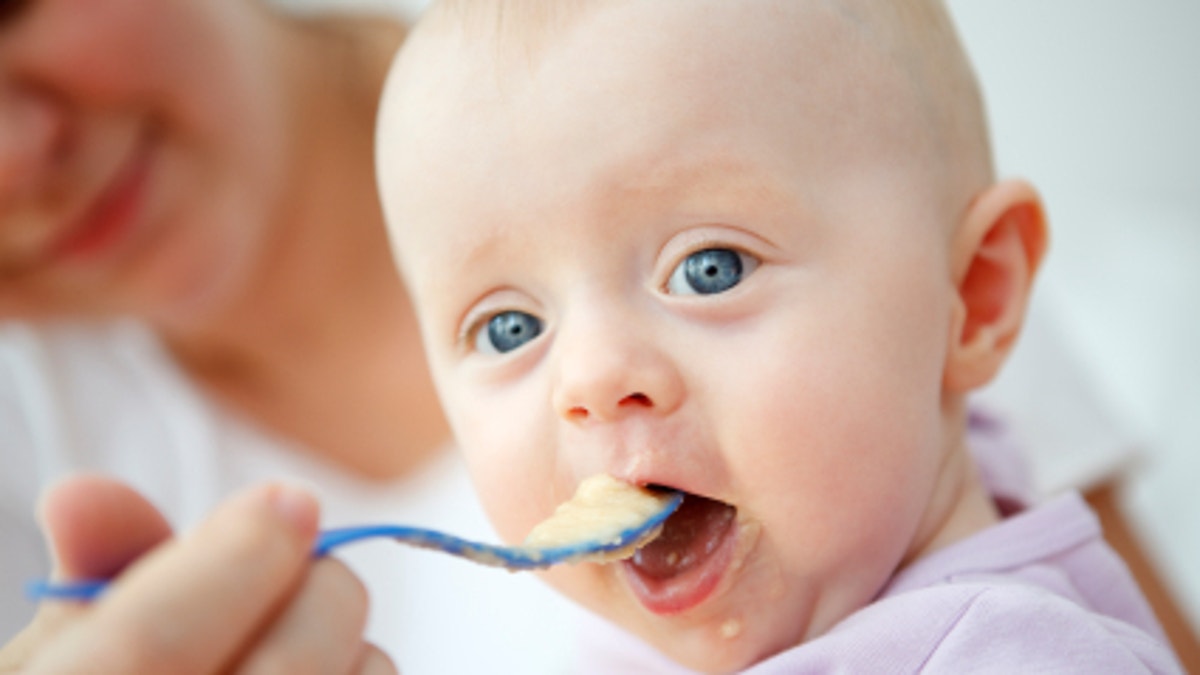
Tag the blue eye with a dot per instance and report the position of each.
(710, 271)
(506, 331)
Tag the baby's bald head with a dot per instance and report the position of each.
(918, 36)
(915, 38)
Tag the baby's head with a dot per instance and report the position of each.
(749, 250)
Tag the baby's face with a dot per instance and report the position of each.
(687, 248)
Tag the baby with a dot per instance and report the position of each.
(754, 251)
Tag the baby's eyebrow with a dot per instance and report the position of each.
(479, 249)
(722, 181)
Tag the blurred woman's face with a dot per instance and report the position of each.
(141, 154)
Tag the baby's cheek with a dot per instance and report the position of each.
(509, 479)
(500, 496)
(503, 490)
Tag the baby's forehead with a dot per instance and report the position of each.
(520, 33)
(874, 66)
(522, 27)
(499, 45)
(486, 52)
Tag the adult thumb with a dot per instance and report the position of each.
(96, 526)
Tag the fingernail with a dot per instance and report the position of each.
(296, 506)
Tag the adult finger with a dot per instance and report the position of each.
(373, 661)
(192, 604)
(320, 631)
(94, 527)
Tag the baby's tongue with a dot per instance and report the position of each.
(688, 537)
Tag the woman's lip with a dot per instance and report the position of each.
(691, 587)
(110, 217)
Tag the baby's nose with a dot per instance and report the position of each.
(604, 379)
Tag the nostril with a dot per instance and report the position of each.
(577, 413)
(639, 399)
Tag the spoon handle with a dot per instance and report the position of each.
(509, 557)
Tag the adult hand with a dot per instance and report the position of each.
(240, 593)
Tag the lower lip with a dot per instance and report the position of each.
(687, 590)
(111, 217)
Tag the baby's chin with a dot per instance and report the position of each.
(698, 593)
(722, 644)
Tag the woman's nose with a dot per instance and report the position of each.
(608, 375)
(31, 136)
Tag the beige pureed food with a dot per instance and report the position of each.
(603, 512)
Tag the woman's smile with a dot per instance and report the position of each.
(108, 221)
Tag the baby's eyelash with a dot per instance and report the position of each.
(464, 342)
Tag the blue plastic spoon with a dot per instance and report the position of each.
(605, 520)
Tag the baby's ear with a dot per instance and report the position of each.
(995, 256)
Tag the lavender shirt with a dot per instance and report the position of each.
(1039, 592)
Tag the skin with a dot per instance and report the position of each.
(206, 167)
(251, 239)
(822, 396)
(252, 554)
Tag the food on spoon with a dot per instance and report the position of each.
(604, 511)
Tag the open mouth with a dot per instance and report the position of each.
(681, 568)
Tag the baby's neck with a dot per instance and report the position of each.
(959, 507)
